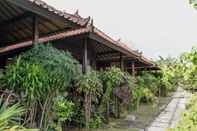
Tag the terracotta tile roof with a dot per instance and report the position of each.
(102, 34)
(139, 55)
(75, 18)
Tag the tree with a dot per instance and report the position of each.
(193, 3)
(189, 66)
(112, 78)
(90, 85)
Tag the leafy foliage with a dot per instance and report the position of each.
(148, 80)
(96, 122)
(38, 76)
(61, 66)
(113, 75)
(171, 74)
(63, 109)
(28, 79)
(193, 3)
(189, 66)
(90, 83)
(9, 117)
(113, 78)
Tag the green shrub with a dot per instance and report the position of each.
(192, 101)
(189, 68)
(96, 122)
(91, 87)
(63, 111)
(148, 96)
(112, 79)
(113, 75)
(27, 79)
(38, 76)
(171, 75)
(137, 95)
(9, 116)
(148, 80)
(60, 65)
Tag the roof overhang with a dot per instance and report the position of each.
(93, 34)
(17, 20)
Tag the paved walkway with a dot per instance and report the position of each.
(171, 115)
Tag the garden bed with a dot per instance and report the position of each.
(143, 117)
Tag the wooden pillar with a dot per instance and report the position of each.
(35, 30)
(85, 56)
(87, 101)
(117, 101)
(121, 62)
(133, 69)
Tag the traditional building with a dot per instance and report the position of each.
(24, 22)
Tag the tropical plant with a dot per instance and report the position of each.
(38, 76)
(30, 82)
(112, 78)
(9, 116)
(62, 67)
(171, 74)
(90, 85)
(95, 122)
(189, 66)
(148, 87)
(148, 80)
(137, 94)
(148, 96)
(63, 111)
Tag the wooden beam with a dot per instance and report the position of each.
(106, 53)
(35, 30)
(110, 45)
(27, 5)
(16, 19)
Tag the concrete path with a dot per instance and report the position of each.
(172, 113)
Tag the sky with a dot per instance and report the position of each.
(155, 27)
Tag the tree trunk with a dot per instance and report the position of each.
(107, 112)
(87, 109)
(117, 107)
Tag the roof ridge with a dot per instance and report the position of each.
(77, 19)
